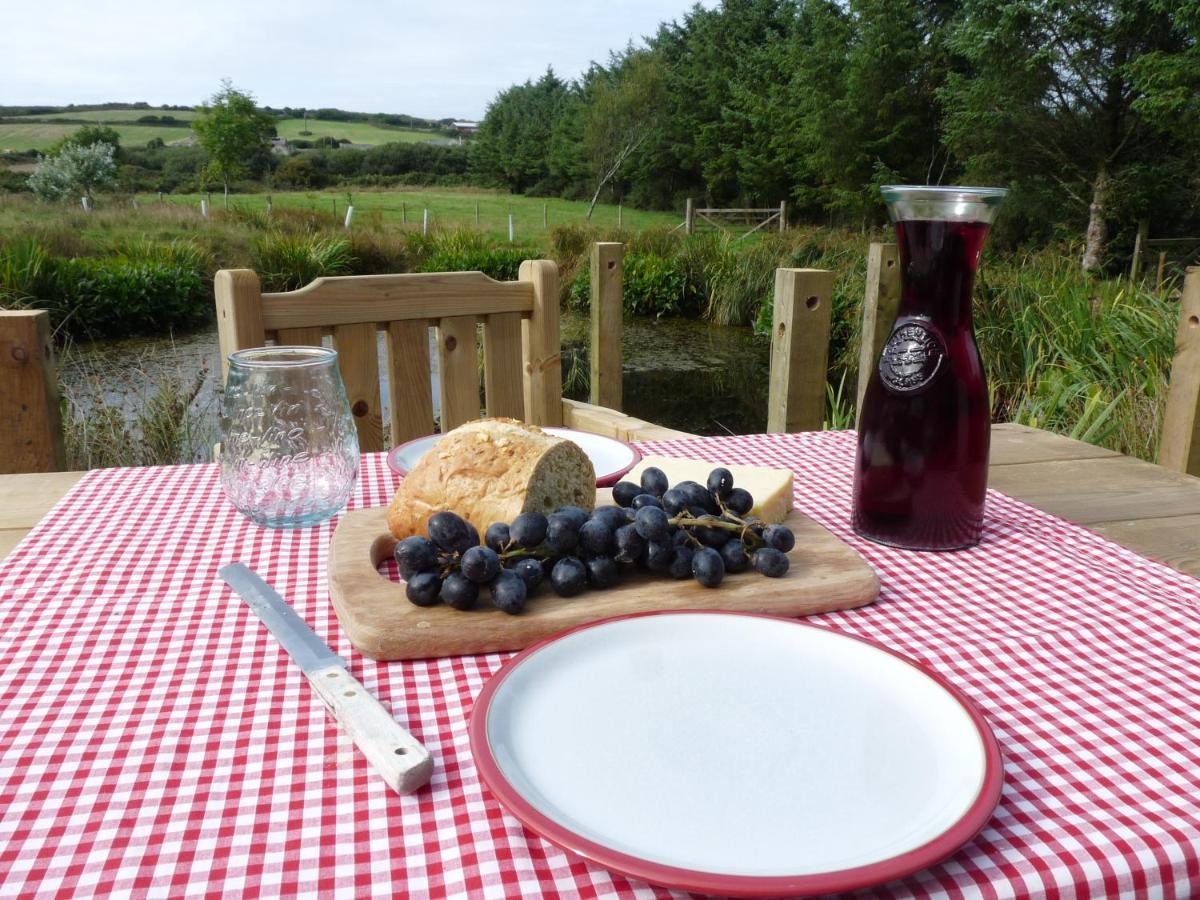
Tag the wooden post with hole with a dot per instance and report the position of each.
(880, 303)
(541, 350)
(239, 313)
(799, 349)
(689, 217)
(605, 361)
(31, 435)
(1180, 448)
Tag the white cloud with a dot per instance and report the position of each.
(428, 58)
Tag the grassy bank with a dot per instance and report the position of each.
(1081, 356)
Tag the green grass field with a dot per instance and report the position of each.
(447, 209)
(357, 132)
(114, 115)
(19, 135)
(41, 136)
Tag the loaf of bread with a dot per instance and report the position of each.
(490, 471)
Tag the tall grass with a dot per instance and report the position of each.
(1084, 357)
(130, 416)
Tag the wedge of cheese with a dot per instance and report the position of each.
(771, 488)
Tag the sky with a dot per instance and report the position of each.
(433, 58)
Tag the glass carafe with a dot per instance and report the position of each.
(923, 430)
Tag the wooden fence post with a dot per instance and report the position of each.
(545, 214)
(689, 217)
(799, 349)
(403, 213)
(1180, 449)
(782, 216)
(476, 213)
(879, 311)
(30, 421)
(510, 228)
(541, 349)
(349, 215)
(607, 329)
(1143, 232)
(1162, 269)
(425, 221)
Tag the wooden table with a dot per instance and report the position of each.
(1146, 508)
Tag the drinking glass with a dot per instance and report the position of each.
(921, 473)
(289, 454)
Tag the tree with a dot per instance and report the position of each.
(514, 137)
(1058, 93)
(87, 136)
(77, 169)
(232, 130)
(622, 116)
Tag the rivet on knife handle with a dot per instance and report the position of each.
(399, 757)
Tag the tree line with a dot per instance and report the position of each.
(1089, 110)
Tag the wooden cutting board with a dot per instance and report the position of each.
(826, 574)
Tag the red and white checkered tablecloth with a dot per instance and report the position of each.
(156, 741)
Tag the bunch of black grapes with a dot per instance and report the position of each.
(686, 531)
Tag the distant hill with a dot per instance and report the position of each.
(39, 127)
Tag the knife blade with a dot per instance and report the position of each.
(396, 755)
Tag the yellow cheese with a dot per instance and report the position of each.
(771, 488)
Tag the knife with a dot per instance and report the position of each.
(399, 757)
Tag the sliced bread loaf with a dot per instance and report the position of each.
(492, 470)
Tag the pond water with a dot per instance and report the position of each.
(680, 373)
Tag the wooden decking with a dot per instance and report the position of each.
(1151, 510)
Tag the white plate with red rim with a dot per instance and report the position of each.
(611, 458)
(732, 753)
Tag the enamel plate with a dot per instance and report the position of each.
(735, 754)
(610, 457)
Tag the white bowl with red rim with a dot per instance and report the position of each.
(611, 458)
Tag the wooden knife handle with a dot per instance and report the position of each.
(399, 757)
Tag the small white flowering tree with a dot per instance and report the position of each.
(75, 170)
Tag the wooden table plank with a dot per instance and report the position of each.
(25, 499)
(1090, 491)
(1013, 443)
(1174, 540)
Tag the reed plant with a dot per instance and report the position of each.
(135, 415)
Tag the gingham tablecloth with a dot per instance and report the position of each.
(156, 741)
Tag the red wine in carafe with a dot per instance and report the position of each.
(921, 471)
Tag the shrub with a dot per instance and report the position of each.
(285, 262)
(77, 169)
(125, 295)
(655, 286)
(377, 254)
(466, 250)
